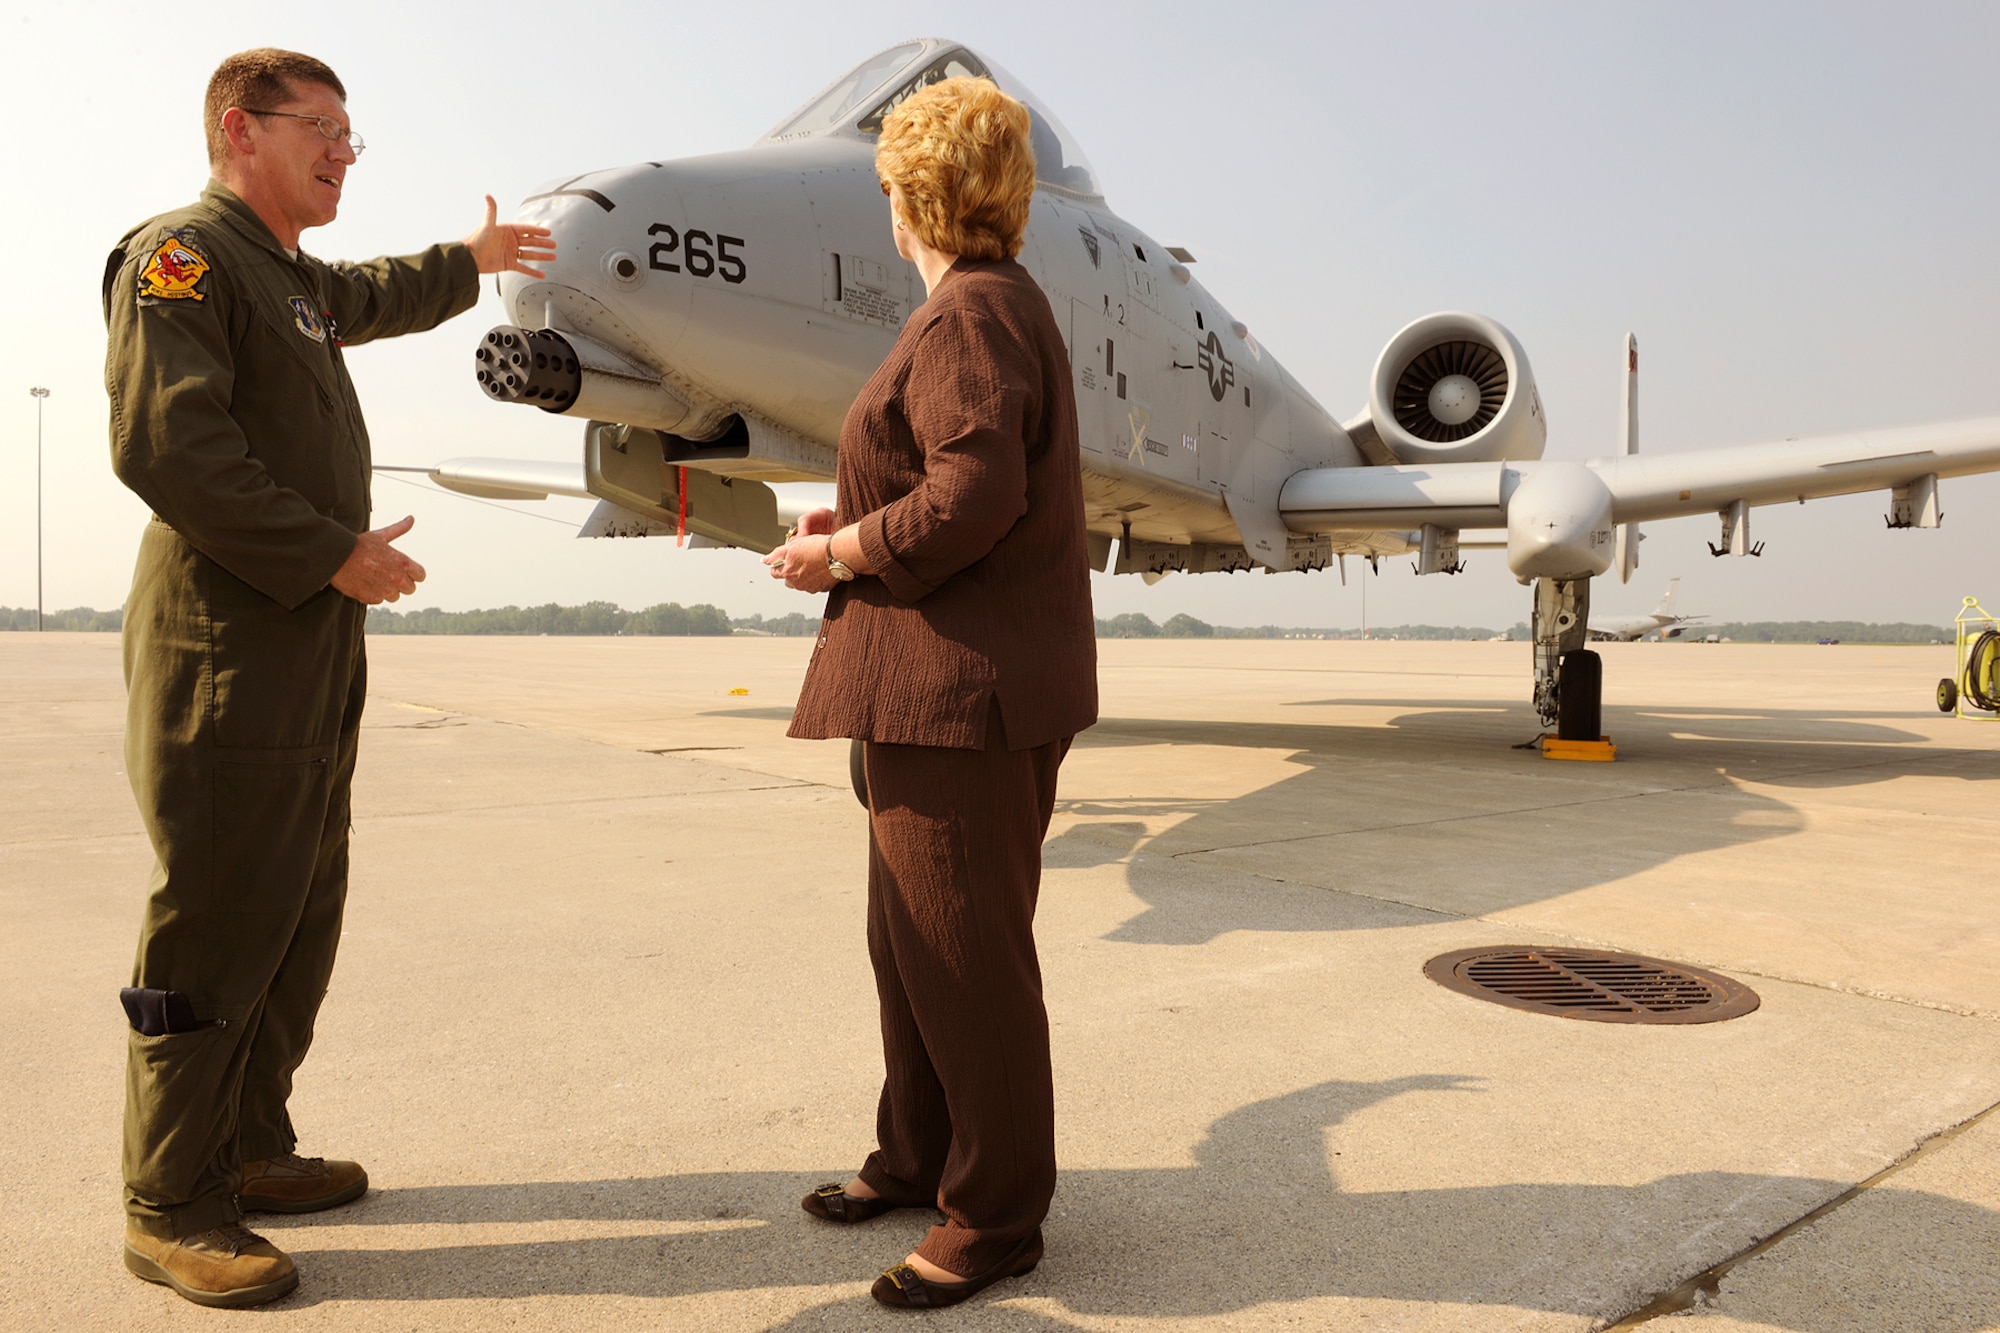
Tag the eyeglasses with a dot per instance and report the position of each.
(328, 127)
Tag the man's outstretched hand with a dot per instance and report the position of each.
(376, 571)
(509, 247)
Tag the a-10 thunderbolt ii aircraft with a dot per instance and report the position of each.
(712, 318)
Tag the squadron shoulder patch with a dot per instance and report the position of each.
(306, 320)
(175, 270)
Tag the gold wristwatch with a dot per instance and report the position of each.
(837, 568)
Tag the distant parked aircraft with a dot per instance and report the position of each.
(1662, 621)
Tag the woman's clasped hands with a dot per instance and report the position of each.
(803, 560)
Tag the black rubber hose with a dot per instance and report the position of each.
(1979, 685)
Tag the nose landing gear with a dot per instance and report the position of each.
(1569, 678)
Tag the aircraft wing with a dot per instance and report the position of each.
(1696, 481)
(533, 479)
(504, 478)
(1644, 487)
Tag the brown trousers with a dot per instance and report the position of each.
(967, 1117)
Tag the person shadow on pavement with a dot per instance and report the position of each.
(1722, 773)
(1259, 1219)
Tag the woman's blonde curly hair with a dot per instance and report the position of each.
(959, 150)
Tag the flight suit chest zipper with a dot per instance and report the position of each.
(350, 406)
(323, 359)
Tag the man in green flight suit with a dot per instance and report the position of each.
(233, 418)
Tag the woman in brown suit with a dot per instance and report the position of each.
(958, 645)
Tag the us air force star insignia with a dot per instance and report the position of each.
(175, 271)
(1215, 362)
(308, 322)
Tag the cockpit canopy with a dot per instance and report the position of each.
(854, 105)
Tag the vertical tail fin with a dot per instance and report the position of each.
(1666, 606)
(1626, 554)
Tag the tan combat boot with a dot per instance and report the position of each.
(228, 1266)
(295, 1184)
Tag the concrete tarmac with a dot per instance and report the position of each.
(603, 1011)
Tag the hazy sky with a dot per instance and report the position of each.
(1792, 205)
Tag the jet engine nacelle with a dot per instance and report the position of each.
(1452, 388)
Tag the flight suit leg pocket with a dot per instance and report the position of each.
(271, 807)
(180, 1112)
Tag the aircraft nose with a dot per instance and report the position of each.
(1559, 524)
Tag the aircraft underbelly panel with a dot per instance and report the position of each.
(1154, 509)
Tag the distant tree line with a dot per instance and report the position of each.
(1798, 631)
(669, 619)
(791, 625)
(1136, 625)
(601, 618)
(76, 618)
(673, 619)
(1812, 631)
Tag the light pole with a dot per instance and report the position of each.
(40, 394)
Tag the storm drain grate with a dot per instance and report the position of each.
(1592, 983)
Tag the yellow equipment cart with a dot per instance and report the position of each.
(1975, 691)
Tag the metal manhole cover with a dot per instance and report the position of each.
(1592, 983)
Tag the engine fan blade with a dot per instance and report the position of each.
(1474, 361)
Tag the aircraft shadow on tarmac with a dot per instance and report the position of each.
(1440, 795)
(1258, 1219)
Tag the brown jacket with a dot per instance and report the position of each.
(959, 459)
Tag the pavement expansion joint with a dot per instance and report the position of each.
(1859, 993)
(571, 802)
(59, 841)
(1704, 1287)
(1594, 942)
(1723, 782)
(779, 781)
(1904, 758)
(1438, 912)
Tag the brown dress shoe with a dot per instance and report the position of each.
(295, 1184)
(227, 1267)
(904, 1288)
(835, 1204)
